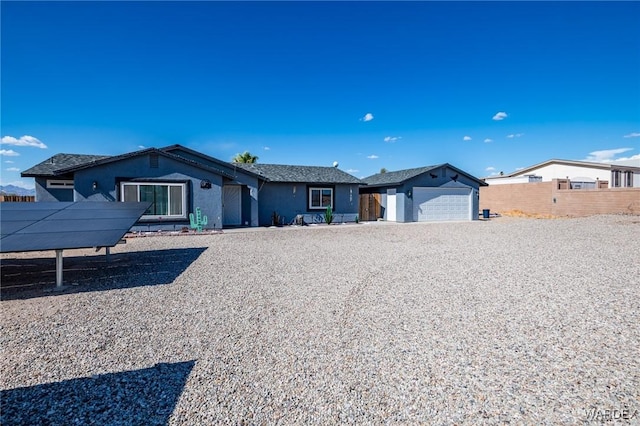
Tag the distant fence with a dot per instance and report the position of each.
(17, 198)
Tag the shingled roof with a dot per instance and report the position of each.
(400, 176)
(302, 174)
(397, 177)
(52, 165)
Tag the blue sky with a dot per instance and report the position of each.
(485, 86)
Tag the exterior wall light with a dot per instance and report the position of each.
(94, 185)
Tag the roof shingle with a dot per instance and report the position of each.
(51, 165)
(302, 174)
(397, 177)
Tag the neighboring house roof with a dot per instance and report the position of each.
(400, 176)
(301, 174)
(589, 164)
(51, 166)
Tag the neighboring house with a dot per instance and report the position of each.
(305, 192)
(433, 193)
(566, 188)
(581, 174)
(177, 180)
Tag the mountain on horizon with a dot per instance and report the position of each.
(15, 190)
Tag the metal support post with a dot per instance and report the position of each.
(58, 269)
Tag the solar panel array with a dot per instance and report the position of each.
(61, 225)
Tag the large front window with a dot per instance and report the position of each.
(168, 200)
(320, 198)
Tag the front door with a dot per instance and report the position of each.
(231, 205)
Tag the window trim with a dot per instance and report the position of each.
(139, 183)
(60, 184)
(310, 190)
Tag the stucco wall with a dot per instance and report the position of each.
(44, 194)
(291, 199)
(545, 198)
(109, 176)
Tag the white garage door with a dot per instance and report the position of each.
(441, 204)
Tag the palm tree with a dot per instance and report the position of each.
(245, 157)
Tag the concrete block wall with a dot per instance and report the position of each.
(534, 197)
(546, 198)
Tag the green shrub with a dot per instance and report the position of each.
(328, 215)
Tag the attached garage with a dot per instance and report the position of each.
(433, 204)
(424, 194)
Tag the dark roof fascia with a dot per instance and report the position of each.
(230, 165)
(141, 153)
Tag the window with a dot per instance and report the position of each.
(168, 200)
(615, 178)
(60, 183)
(320, 198)
(628, 179)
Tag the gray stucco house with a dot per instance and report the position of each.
(177, 180)
(433, 193)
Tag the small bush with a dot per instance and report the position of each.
(328, 215)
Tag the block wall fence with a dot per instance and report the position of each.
(546, 198)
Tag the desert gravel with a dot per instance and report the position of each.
(518, 321)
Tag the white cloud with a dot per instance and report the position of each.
(515, 135)
(632, 135)
(353, 171)
(392, 138)
(13, 169)
(466, 138)
(141, 147)
(367, 117)
(487, 140)
(25, 140)
(372, 157)
(490, 169)
(266, 148)
(500, 116)
(606, 155)
(633, 157)
(8, 152)
(9, 162)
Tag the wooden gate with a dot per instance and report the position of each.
(370, 207)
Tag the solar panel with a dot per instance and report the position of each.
(65, 225)
(61, 225)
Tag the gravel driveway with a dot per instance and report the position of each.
(519, 321)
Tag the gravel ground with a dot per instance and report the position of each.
(518, 321)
